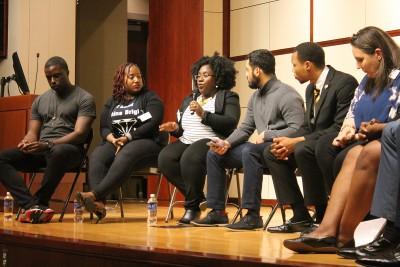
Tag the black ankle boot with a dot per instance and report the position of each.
(190, 215)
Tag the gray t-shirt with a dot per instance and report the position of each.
(58, 115)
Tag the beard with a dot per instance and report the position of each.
(254, 82)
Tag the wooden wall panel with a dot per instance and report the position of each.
(250, 29)
(337, 18)
(292, 28)
(383, 14)
(237, 4)
(175, 42)
(212, 33)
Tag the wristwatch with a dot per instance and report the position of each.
(49, 144)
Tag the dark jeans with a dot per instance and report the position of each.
(60, 159)
(107, 171)
(246, 155)
(185, 167)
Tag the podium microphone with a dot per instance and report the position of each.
(37, 66)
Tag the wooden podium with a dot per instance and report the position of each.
(15, 114)
(14, 119)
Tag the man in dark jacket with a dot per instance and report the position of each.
(328, 97)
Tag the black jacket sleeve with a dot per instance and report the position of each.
(225, 121)
(150, 103)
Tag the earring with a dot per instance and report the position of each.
(216, 86)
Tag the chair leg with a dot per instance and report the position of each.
(71, 190)
(271, 214)
(170, 198)
(239, 211)
(283, 213)
(171, 205)
(120, 202)
(239, 195)
(33, 175)
(159, 185)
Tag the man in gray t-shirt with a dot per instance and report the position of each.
(60, 123)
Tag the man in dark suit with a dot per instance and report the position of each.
(328, 98)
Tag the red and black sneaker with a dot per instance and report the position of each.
(31, 215)
(46, 216)
(36, 215)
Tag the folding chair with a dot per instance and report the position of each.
(273, 207)
(83, 166)
(164, 139)
(229, 174)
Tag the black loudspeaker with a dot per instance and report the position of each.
(3, 28)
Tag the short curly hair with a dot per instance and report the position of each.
(223, 68)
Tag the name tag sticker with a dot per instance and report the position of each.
(144, 117)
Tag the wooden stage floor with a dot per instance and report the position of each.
(129, 242)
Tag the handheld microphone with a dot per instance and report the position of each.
(194, 99)
(193, 94)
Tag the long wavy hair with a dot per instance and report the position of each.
(368, 40)
(119, 92)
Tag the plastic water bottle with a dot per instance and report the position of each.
(78, 212)
(152, 210)
(8, 207)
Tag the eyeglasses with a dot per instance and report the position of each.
(202, 75)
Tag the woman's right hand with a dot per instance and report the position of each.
(110, 138)
(345, 136)
(170, 126)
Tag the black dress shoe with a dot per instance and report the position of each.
(189, 216)
(305, 244)
(291, 227)
(348, 253)
(386, 257)
(376, 246)
(369, 249)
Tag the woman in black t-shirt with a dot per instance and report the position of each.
(129, 129)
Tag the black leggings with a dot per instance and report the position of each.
(185, 167)
(107, 171)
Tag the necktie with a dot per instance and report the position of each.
(317, 94)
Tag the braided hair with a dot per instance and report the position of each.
(119, 92)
